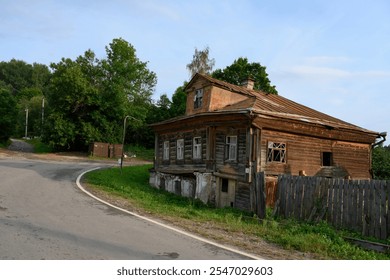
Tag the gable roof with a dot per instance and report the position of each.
(276, 106)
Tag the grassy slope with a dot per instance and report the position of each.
(320, 239)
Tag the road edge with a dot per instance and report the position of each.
(79, 185)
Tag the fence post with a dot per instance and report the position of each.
(260, 196)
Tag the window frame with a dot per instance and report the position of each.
(198, 98)
(166, 150)
(180, 149)
(231, 148)
(197, 148)
(277, 152)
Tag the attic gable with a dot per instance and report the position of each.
(206, 94)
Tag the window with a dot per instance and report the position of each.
(198, 98)
(327, 159)
(197, 152)
(225, 185)
(231, 147)
(166, 150)
(180, 149)
(276, 152)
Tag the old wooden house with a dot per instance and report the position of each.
(229, 133)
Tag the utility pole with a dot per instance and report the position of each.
(25, 134)
(123, 139)
(43, 113)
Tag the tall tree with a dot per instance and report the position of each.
(241, 70)
(201, 63)
(90, 97)
(8, 113)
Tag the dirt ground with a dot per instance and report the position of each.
(249, 243)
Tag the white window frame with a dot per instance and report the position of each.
(231, 147)
(166, 150)
(197, 148)
(180, 149)
(198, 98)
(277, 152)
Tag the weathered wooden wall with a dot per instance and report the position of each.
(304, 153)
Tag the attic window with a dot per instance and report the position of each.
(198, 98)
(276, 152)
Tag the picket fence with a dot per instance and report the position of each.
(359, 205)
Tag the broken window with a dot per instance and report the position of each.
(231, 147)
(180, 149)
(327, 159)
(166, 150)
(276, 152)
(198, 98)
(197, 151)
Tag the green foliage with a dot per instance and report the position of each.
(28, 84)
(89, 98)
(179, 101)
(241, 70)
(381, 162)
(319, 239)
(39, 147)
(8, 114)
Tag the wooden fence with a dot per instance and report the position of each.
(360, 205)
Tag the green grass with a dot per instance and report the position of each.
(320, 239)
(140, 152)
(39, 147)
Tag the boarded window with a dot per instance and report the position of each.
(178, 187)
(180, 149)
(276, 152)
(198, 98)
(327, 159)
(197, 151)
(231, 147)
(166, 150)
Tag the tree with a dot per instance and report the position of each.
(8, 113)
(241, 70)
(381, 162)
(201, 63)
(89, 97)
(28, 84)
(179, 101)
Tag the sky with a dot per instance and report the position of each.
(330, 55)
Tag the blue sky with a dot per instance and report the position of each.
(333, 56)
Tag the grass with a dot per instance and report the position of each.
(39, 146)
(140, 152)
(319, 239)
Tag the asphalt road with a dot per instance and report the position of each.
(43, 215)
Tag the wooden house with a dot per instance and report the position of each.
(229, 133)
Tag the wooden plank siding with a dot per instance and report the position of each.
(305, 153)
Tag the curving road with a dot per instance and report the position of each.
(43, 215)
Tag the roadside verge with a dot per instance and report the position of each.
(79, 185)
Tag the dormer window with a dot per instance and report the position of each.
(198, 98)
